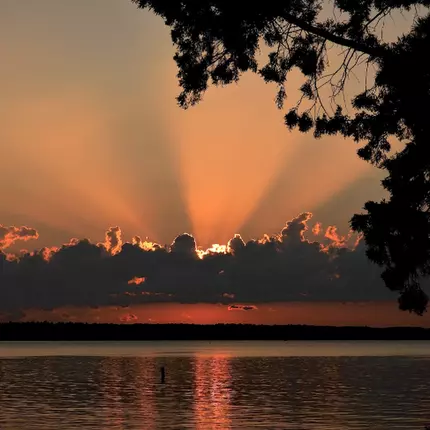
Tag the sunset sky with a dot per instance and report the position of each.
(92, 138)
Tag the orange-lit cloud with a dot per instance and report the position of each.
(351, 240)
(47, 253)
(10, 235)
(332, 234)
(113, 240)
(316, 229)
(136, 281)
(216, 248)
(146, 245)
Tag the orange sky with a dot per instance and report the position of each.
(382, 314)
(91, 138)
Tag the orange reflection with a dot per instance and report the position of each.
(212, 393)
(144, 373)
(110, 386)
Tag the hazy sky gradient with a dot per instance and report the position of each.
(93, 136)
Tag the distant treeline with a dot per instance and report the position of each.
(81, 331)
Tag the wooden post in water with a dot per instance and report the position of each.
(163, 374)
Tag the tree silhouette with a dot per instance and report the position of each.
(218, 40)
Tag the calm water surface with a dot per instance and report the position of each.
(215, 385)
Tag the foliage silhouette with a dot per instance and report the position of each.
(218, 40)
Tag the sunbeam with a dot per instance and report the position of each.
(226, 165)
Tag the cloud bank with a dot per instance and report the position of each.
(288, 266)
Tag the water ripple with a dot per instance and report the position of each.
(214, 392)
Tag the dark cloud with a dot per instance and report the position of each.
(236, 244)
(242, 308)
(296, 228)
(184, 244)
(288, 266)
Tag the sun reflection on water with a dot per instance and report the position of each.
(212, 392)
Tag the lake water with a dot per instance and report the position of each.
(215, 385)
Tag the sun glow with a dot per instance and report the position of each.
(146, 244)
(212, 391)
(214, 249)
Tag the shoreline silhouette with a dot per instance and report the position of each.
(69, 331)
